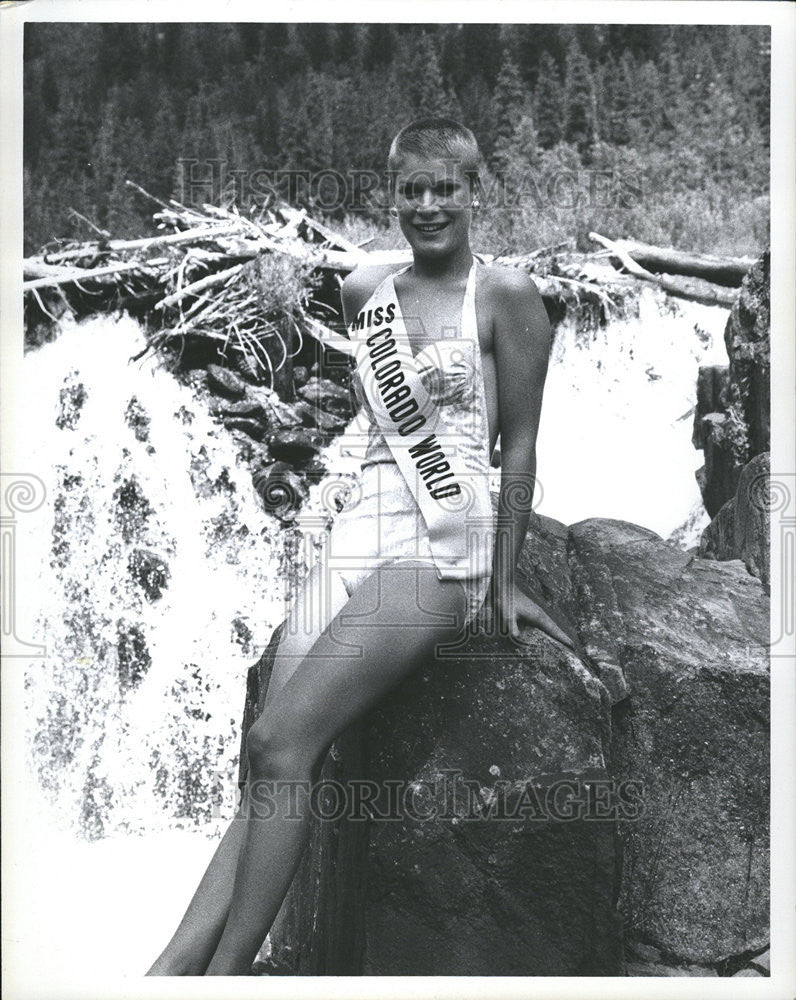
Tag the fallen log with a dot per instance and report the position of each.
(727, 271)
(683, 287)
(124, 246)
(76, 275)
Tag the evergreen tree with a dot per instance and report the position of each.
(511, 102)
(549, 103)
(579, 100)
(380, 46)
(425, 84)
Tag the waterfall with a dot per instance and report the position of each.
(615, 431)
(157, 585)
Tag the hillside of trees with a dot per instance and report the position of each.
(660, 133)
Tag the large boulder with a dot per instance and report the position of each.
(656, 728)
(690, 636)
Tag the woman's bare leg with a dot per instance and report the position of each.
(390, 625)
(189, 951)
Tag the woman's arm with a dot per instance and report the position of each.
(522, 339)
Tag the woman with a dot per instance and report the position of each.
(449, 353)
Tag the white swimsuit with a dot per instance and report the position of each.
(382, 523)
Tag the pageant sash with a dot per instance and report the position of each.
(424, 449)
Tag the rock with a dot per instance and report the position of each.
(247, 407)
(747, 339)
(254, 428)
(718, 477)
(763, 961)
(137, 419)
(225, 382)
(661, 969)
(132, 654)
(668, 699)
(740, 530)
(327, 395)
(313, 416)
(273, 410)
(71, 400)
(150, 572)
(642, 951)
(196, 378)
(732, 418)
(297, 445)
(712, 381)
(690, 638)
(526, 898)
(748, 973)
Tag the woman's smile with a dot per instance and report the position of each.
(430, 228)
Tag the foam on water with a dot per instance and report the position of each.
(153, 584)
(615, 431)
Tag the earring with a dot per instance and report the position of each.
(476, 203)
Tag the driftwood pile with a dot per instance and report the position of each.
(256, 284)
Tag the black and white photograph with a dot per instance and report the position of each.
(398, 499)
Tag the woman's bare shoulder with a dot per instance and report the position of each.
(361, 283)
(503, 280)
(516, 307)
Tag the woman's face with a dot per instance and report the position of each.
(434, 204)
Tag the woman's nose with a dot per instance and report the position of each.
(428, 200)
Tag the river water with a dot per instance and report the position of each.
(130, 723)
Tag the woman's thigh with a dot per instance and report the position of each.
(320, 598)
(395, 621)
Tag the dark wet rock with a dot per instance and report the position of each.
(297, 445)
(225, 382)
(71, 400)
(248, 407)
(327, 395)
(254, 428)
(313, 416)
(137, 419)
(150, 571)
(132, 509)
(740, 530)
(196, 378)
(732, 419)
(184, 415)
(132, 653)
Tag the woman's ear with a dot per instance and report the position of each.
(393, 211)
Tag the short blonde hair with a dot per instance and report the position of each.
(440, 137)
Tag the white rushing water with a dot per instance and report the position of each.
(615, 431)
(133, 715)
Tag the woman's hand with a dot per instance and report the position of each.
(511, 606)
